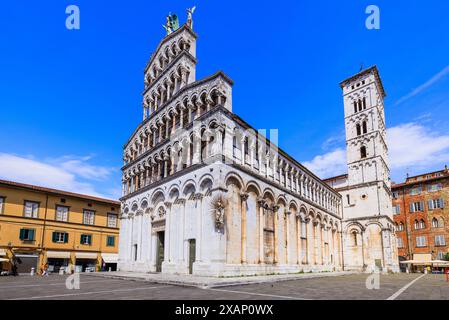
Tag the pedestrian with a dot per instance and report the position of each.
(46, 270)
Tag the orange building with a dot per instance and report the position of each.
(421, 215)
(65, 230)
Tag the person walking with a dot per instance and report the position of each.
(45, 270)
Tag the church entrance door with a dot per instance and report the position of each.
(192, 254)
(160, 251)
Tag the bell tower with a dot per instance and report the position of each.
(367, 202)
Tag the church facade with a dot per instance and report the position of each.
(205, 193)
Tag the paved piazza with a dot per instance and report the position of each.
(349, 287)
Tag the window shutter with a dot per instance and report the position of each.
(66, 237)
(22, 232)
(31, 235)
(430, 204)
(89, 238)
(441, 203)
(54, 237)
(411, 208)
(421, 206)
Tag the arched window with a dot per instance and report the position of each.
(355, 106)
(364, 127)
(363, 152)
(360, 104)
(359, 131)
(246, 146)
(422, 224)
(441, 223)
(434, 223)
(364, 103)
(416, 225)
(401, 227)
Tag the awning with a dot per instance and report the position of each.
(110, 257)
(58, 254)
(4, 260)
(86, 255)
(2, 252)
(425, 263)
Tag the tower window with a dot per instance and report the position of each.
(348, 199)
(355, 106)
(360, 104)
(359, 131)
(364, 103)
(365, 130)
(363, 152)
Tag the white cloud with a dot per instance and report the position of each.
(413, 145)
(65, 173)
(80, 167)
(413, 148)
(329, 164)
(440, 75)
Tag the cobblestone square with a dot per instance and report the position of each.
(348, 287)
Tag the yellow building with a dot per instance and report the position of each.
(69, 231)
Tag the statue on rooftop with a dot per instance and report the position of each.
(190, 12)
(168, 26)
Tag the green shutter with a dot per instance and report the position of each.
(81, 239)
(110, 241)
(31, 235)
(22, 234)
(54, 236)
(66, 237)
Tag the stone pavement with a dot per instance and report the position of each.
(213, 282)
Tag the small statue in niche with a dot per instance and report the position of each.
(219, 205)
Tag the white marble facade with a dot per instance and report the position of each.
(192, 159)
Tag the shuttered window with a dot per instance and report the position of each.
(62, 213)
(421, 241)
(2, 201)
(434, 187)
(31, 209)
(435, 204)
(86, 239)
(27, 234)
(417, 206)
(440, 240)
(60, 237)
(110, 241)
(112, 220)
(88, 217)
(400, 243)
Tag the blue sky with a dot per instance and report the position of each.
(69, 99)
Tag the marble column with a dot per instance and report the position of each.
(244, 198)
